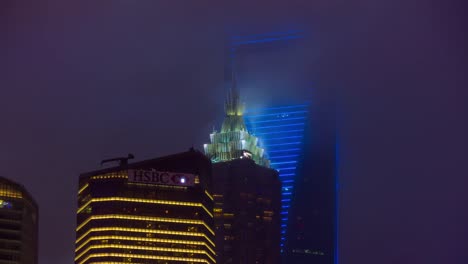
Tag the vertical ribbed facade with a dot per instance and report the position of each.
(18, 224)
(120, 220)
(281, 130)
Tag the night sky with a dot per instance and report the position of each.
(81, 81)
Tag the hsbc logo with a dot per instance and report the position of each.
(159, 177)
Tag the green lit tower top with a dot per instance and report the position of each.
(234, 141)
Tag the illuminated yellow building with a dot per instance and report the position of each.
(154, 211)
(18, 224)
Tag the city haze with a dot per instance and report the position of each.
(84, 81)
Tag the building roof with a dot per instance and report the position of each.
(145, 163)
(19, 188)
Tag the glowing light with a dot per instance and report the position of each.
(5, 204)
(83, 188)
(137, 200)
(145, 218)
(117, 246)
(279, 132)
(144, 257)
(284, 162)
(274, 115)
(280, 120)
(283, 150)
(145, 239)
(142, 230)
(288, 168)
(11, 193)
(277, 126)
(209, 195)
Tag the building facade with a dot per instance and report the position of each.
(153, 211)
(281, 132)
(247, 212)
(18, 224)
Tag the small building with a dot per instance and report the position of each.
(19, 219)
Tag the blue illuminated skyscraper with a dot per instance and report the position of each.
(281, 133)
(298, 139)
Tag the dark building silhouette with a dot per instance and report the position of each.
(153, 211)
(247, 212)
(18, 224)
(312, 228)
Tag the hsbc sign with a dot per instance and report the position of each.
(159, 177)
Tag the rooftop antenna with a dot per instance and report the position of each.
(123, 161)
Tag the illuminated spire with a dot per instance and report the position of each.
(234, 141)
(233, 107)
(234, 120)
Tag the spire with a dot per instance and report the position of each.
(233, 141)
(232, 105)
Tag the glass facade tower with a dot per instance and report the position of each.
(281, 133)
(281, 61)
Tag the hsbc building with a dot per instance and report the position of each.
(153, 211)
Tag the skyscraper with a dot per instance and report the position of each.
(275, 60)
(18, 224)
(246, 192)
(153, 211)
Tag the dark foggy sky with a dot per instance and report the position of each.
(86, 80)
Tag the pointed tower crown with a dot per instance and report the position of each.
(234, 139)
(232, 106)
(234, 120)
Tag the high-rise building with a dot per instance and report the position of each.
(18, 224)
(281, 132)
(246, 192)
(154, 211)
(310, 216)
(299, 142)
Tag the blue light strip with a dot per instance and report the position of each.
(337, 202)
(283, 150)
(287, 174)
(283, 157)
(283, 144)
(284, 162)
(278, 120)
(253, 117)
(288, 125)
(288, 168)
(279, 132)
(280, 138)
(279, 108)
